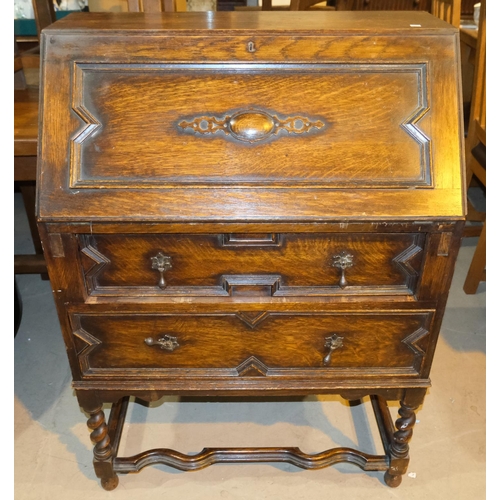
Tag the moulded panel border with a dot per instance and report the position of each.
(91, 125)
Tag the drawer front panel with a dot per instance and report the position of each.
(251, 264)
(251, 344)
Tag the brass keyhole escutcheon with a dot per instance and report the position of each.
(251, 47)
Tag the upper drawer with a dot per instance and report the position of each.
(263, 265)
(251, 126)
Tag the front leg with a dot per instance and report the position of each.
(399, 449)
(103, 452)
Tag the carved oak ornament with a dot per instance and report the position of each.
(251, 125)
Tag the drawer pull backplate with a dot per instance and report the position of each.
(343, 261)
(332, 343)
(161, 263)
(166, 342)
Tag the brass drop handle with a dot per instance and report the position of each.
(332, 343)
(161, 263)
(167, 342)
(343, 260)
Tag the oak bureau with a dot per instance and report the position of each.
(250, 203)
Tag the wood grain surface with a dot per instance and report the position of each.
(390, 145)
(381, 263)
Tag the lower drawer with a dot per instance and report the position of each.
(251, 344)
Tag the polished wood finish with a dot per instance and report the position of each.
(294, 5)
(476, 141)
(226, 264)
(469, 37)
(19, 76)
(211, 456)
(477, 126)
(467, 8)
(251, 204)
(222, 344)
(152, 6)
(383, 5)
(447, 10)
(306, 4)
(95, 158)
(44, 14)
(25, 125)
(399, 448)
(178, 188)
(18, 308)
(26, 121)
(468, 42)
(25, 157)
(477, 269)
(30, 264)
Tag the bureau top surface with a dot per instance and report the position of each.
(394, 22)
(250, 117)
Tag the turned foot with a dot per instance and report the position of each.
(109, 483)
(392, 481)
(103, 450)
(99, 435)
(399, 448)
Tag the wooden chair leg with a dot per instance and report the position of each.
(28, 190)
(34, 263)
(477, 269)
(18, 308)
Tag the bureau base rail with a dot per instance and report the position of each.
(394, 438)
(210, 456)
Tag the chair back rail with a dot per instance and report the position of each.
(475, 147)
(156, 5)
(44, 14)
(447, 10)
